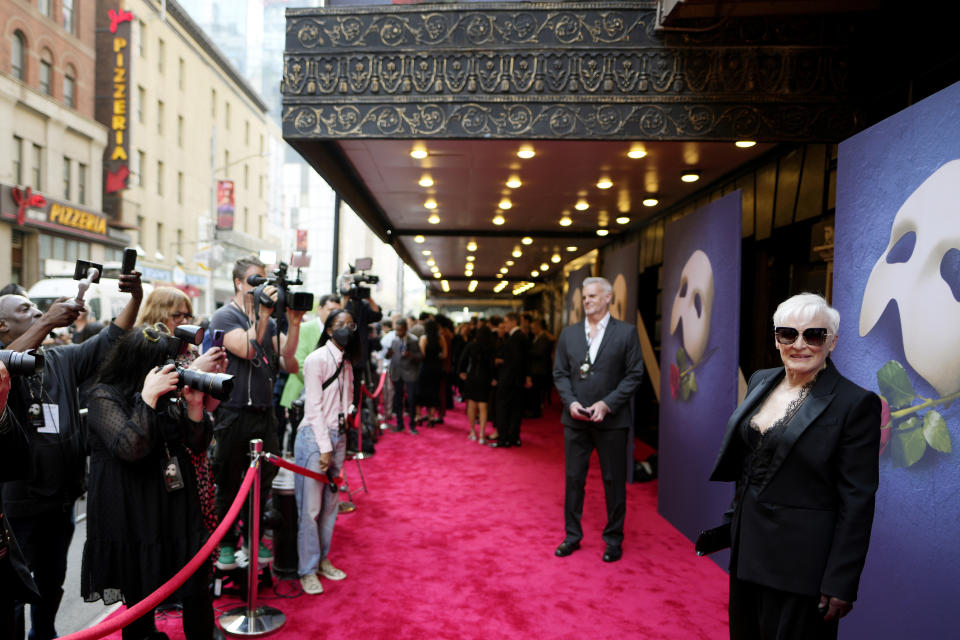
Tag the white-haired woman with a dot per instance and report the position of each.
(802, 448)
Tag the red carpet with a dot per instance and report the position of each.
(456, 541)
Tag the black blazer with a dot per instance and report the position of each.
(806, 527)
(614, 377)
(515, 353)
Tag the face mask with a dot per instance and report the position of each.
(342, 336)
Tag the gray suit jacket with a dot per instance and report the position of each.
(614, 375)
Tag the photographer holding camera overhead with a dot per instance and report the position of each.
(39, 508)
(363, 309)
(255, 352)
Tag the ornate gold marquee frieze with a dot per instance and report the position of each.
(574, 69)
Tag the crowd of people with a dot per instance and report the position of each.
(161, 459)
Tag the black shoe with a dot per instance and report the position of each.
(566, 548)
(414, 432)
(500, 445)
(397, 429)
(516, 443)
(612, 553)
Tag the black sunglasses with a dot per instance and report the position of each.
(813, 337)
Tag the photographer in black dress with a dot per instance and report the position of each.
(144, 515)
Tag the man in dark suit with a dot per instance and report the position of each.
(512, 378)
(597, 368)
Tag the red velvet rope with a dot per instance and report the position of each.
(376, 393)
(280, 462)
(150, 602)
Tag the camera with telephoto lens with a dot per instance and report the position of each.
(21, 363)
(217, 385)
(286, 299)
(355, 276)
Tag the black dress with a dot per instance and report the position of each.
(477, 362)
(430, 376)
(139, 534)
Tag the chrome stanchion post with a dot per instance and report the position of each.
(251, 620)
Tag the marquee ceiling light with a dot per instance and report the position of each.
(527, 240)
(419, 239)
(651, 202)
(745, 144)
(471, 258)
(426, 252)
(430, 203)
(509, 263)
(690, 175)
(426, 181)
(623, 220)
(505, 203)
(571, 248)
(499, 275)
(604, 183)
(565, 221)
(636, 152)
(498, 219)
(517, 252)
(514, 182)
(471, 246)
(503, 269)
(526, 152)
(602, 232)
(419, 152)
(431, 262)
(434, 219)
(555, 258)
(534, 273)
(472, 286)
(544, 266)
(445, 285)
(582, 205)
(437, 275)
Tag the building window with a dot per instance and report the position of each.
(37, 173)
(226, 109)
(17, 160)
(70, 86)
(261, 144)
(159, 177)
(246, 133)
(141, 232)
(44, 7)
(142, 28)
(179, 187)
(67, 166)
(81, 183)
(160, 240)
(160, 114)
(161, 54)
(46, 72)
(260, 187)
(142, 168)
(213, 103)
(246, 219)
(67, 6)
(246, 176)
(18, 60)
(260, 226)
(181, 72)
(141, 100)
(179, 243)
(180, 131)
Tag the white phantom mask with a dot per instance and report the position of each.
(693, 304)
(924, 249)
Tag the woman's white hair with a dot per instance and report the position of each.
(803, 308)
(603, 282)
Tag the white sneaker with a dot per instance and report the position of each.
(330, 572)
(311, 584)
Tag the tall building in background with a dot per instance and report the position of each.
(51, 146)
(190, 141)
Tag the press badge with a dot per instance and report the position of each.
(341, 424)
(45, 418)
(171, 474)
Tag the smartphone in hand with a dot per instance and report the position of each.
(584, 414)
(217, 338)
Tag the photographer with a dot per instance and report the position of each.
(252, 344)
(365, 311)
(40, 507)
(145, 516)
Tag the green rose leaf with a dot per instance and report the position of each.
(935, 432)
(683, 361)
(685, 389)
(908, 443)
(895, 385)
(693, 381)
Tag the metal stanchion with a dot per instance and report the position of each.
(251, 620)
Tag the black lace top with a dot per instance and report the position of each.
(762, 445)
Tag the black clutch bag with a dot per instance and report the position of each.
(713, 540)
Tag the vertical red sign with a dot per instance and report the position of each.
(116, 154)
(226, 205)
(301, 239)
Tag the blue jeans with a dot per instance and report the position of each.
(317, 503)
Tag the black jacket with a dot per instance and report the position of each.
(515, 353)
(614, 377)
(16, 582)
(805, 529)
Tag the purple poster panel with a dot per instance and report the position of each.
(573, 303)
(698, 362)
(897, 287)
(620, 268)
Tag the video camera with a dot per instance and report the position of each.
(218, 385)
(22, 363)
(286, 299)
(355, 275)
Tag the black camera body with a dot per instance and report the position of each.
(286, 299)
(351, 282)
(218, 385)
(21, 363)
